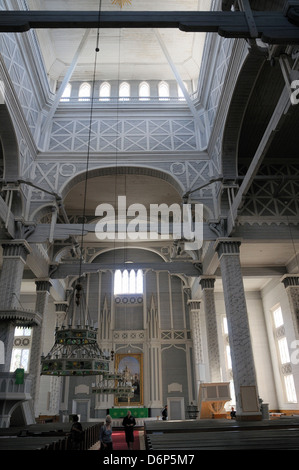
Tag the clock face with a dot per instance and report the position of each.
(121, 2)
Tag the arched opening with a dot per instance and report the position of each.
(163, 91)
(105, 91)
(124, 91)
(84, 92)
(144, 91)
(66, 95)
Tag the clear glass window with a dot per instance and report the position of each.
(290, 388)
(84, 92)
(105, 91)
(163, 91)
(283, 351)
(128, 282)
(67, 93)
(144, 91)
(277, 316)
(124, 91)
(21, 350)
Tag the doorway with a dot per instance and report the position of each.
(176, 409)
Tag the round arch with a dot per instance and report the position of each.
(10, 146)
(122, 170)
(235, 117)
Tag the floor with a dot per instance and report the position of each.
(119, 442)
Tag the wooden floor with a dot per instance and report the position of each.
(280, 434)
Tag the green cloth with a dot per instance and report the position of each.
(19, 376)
(122, 412)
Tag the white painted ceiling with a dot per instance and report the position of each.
(125, 54)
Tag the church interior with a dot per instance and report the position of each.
(150, 218)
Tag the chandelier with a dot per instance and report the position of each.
(75, 351)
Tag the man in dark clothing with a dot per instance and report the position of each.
(76, 434)
(164, 413)
(129, 423)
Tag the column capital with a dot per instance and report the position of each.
(227, 246)
(61, 307)
(207, 282)
(290, 280)
(15, 249)
(194, 304)
(43, 285)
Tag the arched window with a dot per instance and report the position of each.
(84, 92)
(144, 91)
(128, 282)
(163, 91)
(124, 91)
(180, 92)
(21, 349)
(105, 91)
(67, 93)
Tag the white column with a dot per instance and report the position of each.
(41, 303)
(207, 285)
(238, 328)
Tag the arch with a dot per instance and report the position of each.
(123, 170)
(42, 211)
(93, 259)
(241, 96)
(163, 91)
(124, 91)
(10, 147)
(144, 91)
(105, 91)
(84, 92)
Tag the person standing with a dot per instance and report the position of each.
(164, 413)
(129, 423)
(76, 434)
(106, 435)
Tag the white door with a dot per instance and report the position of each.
(176, 408)
(81, 408)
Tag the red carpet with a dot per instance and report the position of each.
(119, 440)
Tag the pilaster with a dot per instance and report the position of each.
(238, 329)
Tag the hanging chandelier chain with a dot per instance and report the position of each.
(97, 49)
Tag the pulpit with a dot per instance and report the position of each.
(212, 398)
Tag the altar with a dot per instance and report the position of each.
(118, 413)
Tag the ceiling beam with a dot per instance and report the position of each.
(272, 27)
(258, 232)
(180, 82)
(64, 270)
(58, 96)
